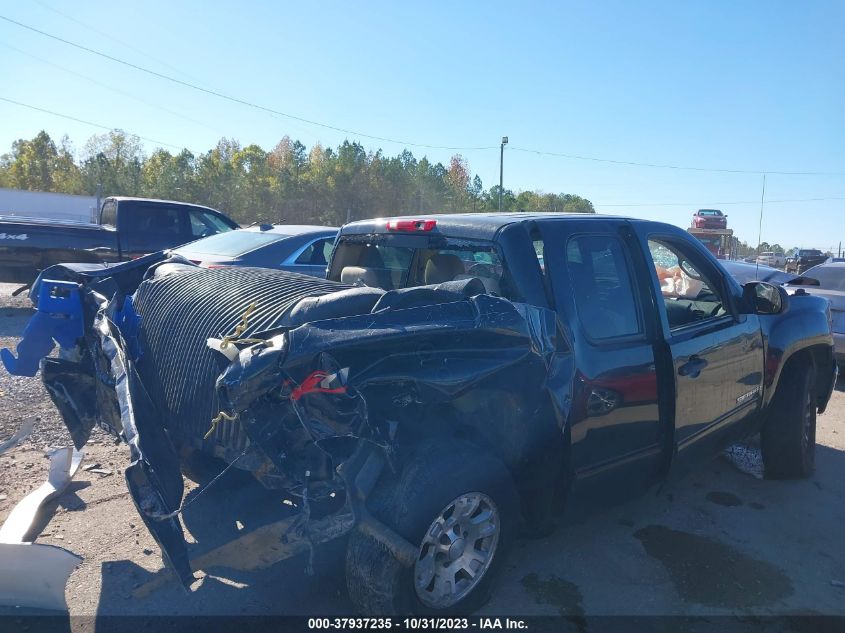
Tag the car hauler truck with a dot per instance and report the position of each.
(720, 242)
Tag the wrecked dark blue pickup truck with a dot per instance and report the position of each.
(454, 377)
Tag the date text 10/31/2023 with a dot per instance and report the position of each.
(417, 623)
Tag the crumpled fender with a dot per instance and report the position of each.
(153, 477)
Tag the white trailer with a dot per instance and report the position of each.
(43, 204)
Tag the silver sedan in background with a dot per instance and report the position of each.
(831, 278)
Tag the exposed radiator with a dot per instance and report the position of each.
(179, 312)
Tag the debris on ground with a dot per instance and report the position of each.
(745, 458)
(35, 575)
(20, 435)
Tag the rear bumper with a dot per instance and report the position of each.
(802, 267)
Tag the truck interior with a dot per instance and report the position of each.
(687, 294)
(391, 267)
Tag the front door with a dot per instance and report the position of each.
(717, 353)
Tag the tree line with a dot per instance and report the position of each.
(288, 183)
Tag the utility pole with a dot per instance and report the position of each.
(502, 170)
(99, 196)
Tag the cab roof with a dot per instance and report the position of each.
(468, 225)
(157, 201)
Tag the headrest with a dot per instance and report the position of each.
(356, 274)
(442, 267)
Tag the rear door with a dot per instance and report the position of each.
(717, 353)
(615, 420)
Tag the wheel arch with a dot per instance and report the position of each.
(525, 436)
(816, 356)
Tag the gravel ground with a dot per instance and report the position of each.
(719, 542)
(25, 467)
(20, 396)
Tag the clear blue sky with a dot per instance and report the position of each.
(736, 85)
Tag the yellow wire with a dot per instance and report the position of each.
(239, 329)
(219, 418)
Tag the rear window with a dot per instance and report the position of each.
(709, 212)
(109, 215)
(829, 277)
(809, 253)
(233, 243)
(391, 267)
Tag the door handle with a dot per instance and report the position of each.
(692, 367)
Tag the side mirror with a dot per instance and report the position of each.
(764, 298)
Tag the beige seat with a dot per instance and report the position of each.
(357, 274)
(442, 267)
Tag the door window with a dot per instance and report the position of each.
(204, 224)
(317, 253)
(602, 287)
(689, 297)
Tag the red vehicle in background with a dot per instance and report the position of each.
(709, 219)
(720, 242)
(710, 227)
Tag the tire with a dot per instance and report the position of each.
(434, 478)
(788, 439)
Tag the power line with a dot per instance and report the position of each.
(137, 50)
(221, 95)
(755, 172)
(595, 204)
(111, 37)
(111, 88)
(694, 204)
(335, 128)
(91, 123)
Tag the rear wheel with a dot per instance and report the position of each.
(788, 438)
(459, 507)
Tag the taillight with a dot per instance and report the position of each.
(411, 225)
